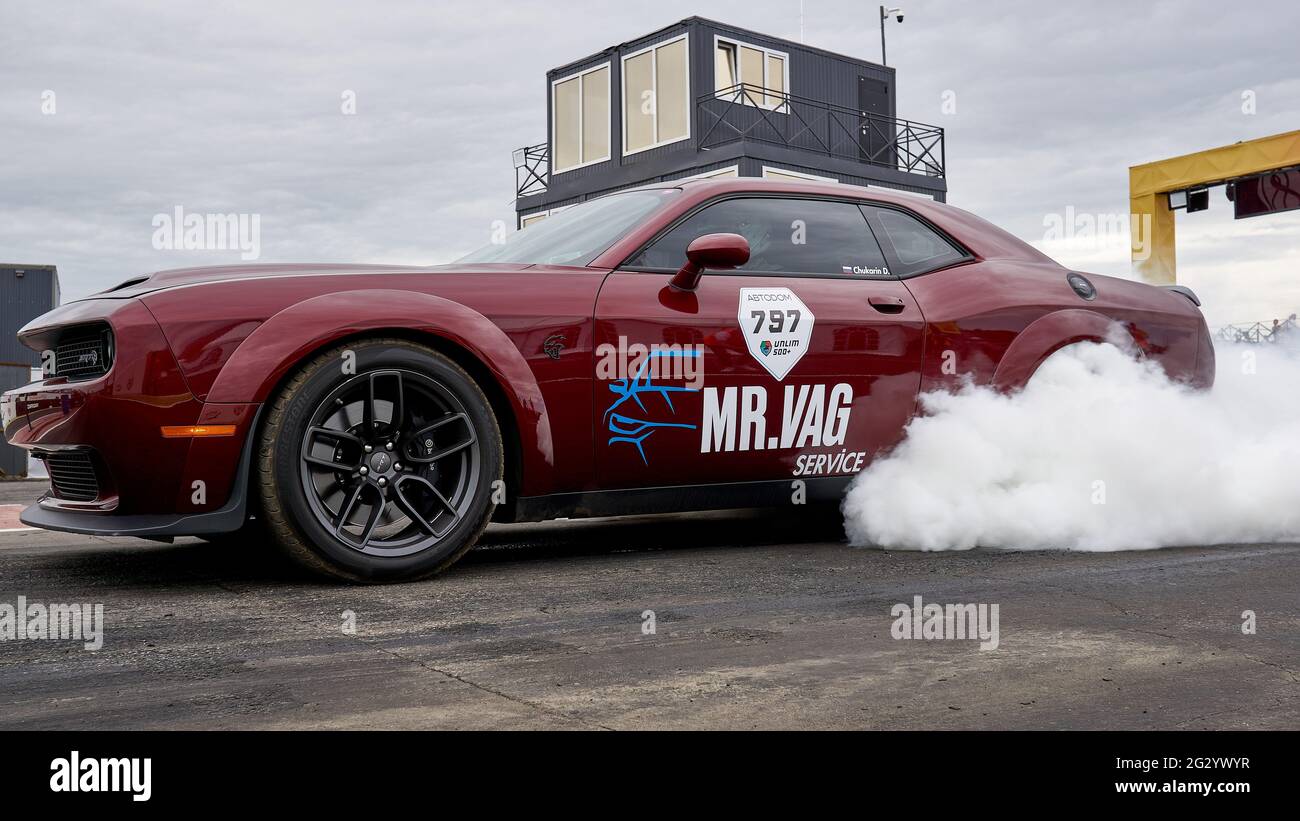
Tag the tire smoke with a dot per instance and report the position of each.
(1099, 452)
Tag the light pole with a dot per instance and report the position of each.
(884, 15)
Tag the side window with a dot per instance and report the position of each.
(917, 246)
(786, 236)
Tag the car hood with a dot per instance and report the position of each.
(181, 277)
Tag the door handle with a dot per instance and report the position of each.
(887, 304)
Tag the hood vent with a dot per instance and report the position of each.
(130, 283)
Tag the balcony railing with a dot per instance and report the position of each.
(532, 163)
(745, 112)
(764, 115)
(1259, 332)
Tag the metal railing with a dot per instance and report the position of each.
(746, 112)
(1257, 333)
(532, 164)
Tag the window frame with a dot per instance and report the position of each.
(543, 213)
(803, 175)
(900, 270)
(608, 65)
(654, 81)
(780, 108)
(708, 175)
(528, 219)
(872, 231)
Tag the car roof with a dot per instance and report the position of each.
(713, 185)
(801, 186)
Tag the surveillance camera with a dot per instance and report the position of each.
(900, 18)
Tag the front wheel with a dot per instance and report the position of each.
(377, 462)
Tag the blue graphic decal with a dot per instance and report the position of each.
(630, 429)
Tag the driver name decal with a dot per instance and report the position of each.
(777, 327)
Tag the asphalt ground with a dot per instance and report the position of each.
(760, 620)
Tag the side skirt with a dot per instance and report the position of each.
(675, 499)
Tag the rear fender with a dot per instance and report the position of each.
(1044, 337)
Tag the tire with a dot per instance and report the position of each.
(382, 471)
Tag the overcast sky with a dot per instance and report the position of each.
(236, 107)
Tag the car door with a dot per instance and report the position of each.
(803, 363)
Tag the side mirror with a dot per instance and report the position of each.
(721, 252)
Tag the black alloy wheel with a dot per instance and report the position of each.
(383, 471)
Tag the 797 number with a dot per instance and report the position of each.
(776, 320)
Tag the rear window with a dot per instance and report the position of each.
(918, 246)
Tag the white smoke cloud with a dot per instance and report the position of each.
(1100, 452)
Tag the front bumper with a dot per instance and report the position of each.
(143, 484)
(49, 515)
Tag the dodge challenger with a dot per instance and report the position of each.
(684, 346)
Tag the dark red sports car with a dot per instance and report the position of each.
(686, 346)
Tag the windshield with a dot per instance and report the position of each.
(577, 235)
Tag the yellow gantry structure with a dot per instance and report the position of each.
(1153, 223)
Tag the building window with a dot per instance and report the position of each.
(729, 171)
(580, 113)
(771, 173)
(656, 96)
(750, 74)
(538, 216)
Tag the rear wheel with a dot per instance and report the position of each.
(377, 462)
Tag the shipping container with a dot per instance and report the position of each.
(26, 292)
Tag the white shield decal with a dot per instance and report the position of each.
(777, 327)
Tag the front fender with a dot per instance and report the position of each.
(283, 340)
(1044, 337)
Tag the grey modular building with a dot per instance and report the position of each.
(700, 98)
